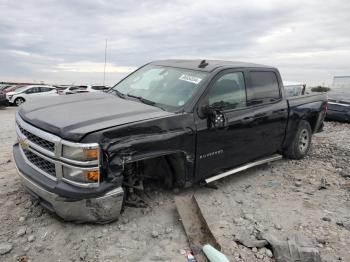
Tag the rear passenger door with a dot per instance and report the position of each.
(264, 96)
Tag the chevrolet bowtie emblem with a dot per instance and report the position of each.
(24, 143)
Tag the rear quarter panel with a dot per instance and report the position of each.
(306, 107)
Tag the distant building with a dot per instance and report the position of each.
(341, 81)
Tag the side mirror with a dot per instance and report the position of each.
(206, 111)
(216, 118)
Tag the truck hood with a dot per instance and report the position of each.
(71, 117)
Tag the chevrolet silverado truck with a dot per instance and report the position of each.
(180, 122)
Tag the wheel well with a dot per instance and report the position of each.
(18, 98)
(170, 169)
(312, 121)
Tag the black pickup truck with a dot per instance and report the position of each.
(181, 122)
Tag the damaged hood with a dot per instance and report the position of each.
(73, 116)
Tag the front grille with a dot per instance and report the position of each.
(41, 163)
(38, 140)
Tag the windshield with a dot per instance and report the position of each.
(167, 86)
(21, 89)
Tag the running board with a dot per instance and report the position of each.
(244, 167)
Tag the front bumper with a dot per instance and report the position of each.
(103, 209)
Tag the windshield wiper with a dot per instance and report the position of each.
(146, 101)
(120, 94)
(143, 100)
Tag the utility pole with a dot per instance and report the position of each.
(104, 70)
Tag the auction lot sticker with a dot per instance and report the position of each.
(191, 79)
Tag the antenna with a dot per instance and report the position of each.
(203, 64)
(104, 70)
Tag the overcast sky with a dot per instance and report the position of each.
(63, 41)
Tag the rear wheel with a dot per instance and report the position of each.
(301, 143)
(18, 101)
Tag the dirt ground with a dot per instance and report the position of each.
(282, 197)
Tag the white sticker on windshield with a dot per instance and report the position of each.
(191, 79)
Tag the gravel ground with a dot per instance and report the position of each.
(282, 198)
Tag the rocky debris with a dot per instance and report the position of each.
(125, 220)
(344, 224)
(249, 217)
(278, 226)
(298, 183)
(328, 219)
(5, 248)
(155, 234)
(21, 231)
(322, 241)
(324, 184)
(168, 230)
(39, 248)
(248, 239)
(31, 238)
(293, 247)
(21, 219)
(345, 173)
(268, 253)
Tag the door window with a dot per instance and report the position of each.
(32, 90)
(263, 89)
(45, 89)
(228, 91)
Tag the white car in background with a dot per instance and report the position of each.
(30, 92)
(68, 90)
(294, 88)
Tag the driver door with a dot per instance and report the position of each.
(223, 147)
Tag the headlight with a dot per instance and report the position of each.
(80, 153)
(86, 176)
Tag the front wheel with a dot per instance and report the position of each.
(19, 101)
(301, 143)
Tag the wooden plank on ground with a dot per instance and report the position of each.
(196, 228)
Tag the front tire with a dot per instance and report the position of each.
(301, 143)
(18, 101)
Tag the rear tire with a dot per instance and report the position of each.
(301, 143)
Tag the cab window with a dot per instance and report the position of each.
(263, 88)
(228, 91)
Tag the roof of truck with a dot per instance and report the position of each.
(212, 64)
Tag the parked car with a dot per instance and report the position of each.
(27, 93)
(294, 89)
(180, 121)
(98, 88)
(12, 88)
(3, 86)
(71, 90)
(83, 89)
(339, 105)
(3, 100)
